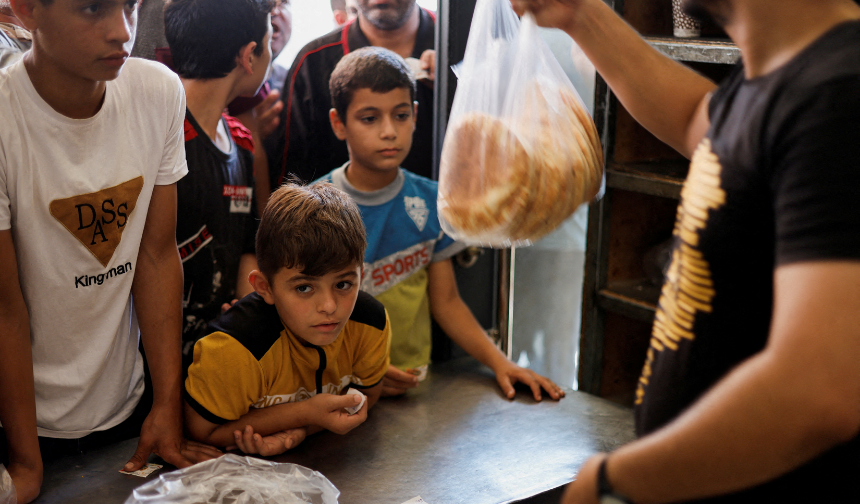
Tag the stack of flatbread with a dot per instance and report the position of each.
(511, 181)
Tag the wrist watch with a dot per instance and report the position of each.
(605, 492)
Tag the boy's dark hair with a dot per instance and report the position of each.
(316, 228)
(205, 36)
(374, 68)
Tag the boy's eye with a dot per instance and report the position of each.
(367, 119)
(304, 289)
(344, 285)
(92, 8)
(404, 116)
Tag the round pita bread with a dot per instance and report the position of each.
(511, 182)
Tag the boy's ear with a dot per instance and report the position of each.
(337, 125)
(247, 57)
(261, 286)
(24, 10)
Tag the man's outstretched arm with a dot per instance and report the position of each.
(667, 98)
(157, 296)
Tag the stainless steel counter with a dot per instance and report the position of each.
(454, 439)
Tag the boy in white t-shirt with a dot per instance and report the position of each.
(91, 146)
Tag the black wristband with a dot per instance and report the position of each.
(605, 492)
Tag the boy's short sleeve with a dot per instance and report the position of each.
(816, 177)
(372, 355)
(224, 379)
(446, 247)
(173, 164)
(5, 133)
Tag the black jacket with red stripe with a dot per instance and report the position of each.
(305, 145)
(216, 222)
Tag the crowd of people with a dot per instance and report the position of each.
(209, 280)
(174, 257)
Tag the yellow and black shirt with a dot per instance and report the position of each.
(250, 360)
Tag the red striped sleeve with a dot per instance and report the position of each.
(241, 135)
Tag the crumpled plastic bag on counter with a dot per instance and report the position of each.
(7, 488)
(233, 479)
(521, 152)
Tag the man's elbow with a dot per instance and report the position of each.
(844, 424)
(822, 389)
(834, 414)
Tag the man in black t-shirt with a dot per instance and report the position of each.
(751, 387)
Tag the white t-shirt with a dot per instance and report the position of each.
(75, 193)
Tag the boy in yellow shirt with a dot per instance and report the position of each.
(276, 365)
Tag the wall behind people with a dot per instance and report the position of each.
(150, 29)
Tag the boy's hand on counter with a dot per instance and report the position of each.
(330, 413)
(508, 373)
(161, 435)
(250, 442)
(397, 382)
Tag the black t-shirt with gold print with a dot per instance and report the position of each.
(774, 182)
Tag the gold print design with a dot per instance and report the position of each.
(688, 288)
(98, 219)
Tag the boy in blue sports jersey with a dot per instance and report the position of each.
(408, 259)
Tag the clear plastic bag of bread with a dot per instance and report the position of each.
(521, 152)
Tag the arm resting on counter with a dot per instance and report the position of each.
(157, 296)
(322, 411)
(458, 322)
(274, 444)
